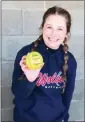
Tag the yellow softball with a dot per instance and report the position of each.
(34, 60)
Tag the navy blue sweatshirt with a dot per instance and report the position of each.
(42, 100)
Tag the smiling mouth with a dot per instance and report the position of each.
(53, 40)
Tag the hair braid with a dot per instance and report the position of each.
(65, 66)
(36, 43)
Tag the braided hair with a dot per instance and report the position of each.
(64, 13)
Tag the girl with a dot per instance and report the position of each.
(44, 95)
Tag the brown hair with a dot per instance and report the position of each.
(64, 13)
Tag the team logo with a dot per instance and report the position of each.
(44, 79)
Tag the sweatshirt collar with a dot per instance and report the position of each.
(45, 48)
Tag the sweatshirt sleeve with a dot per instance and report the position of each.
(70, 85)
(21, 87)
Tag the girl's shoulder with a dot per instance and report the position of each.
(72, 62)
(71, 58)
(26, 49)
(23, 51)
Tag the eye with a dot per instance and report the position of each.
(60, 29)
(49, 27)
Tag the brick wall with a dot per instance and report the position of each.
(20, 26)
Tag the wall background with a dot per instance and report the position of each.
(0, 60)
(20, 26)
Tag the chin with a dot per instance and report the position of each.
(53, 47)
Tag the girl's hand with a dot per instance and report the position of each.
(31, 75)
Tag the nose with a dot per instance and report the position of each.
(54, 34)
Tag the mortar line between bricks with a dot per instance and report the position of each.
(15, 35)
(19, 36)
(27, 9)
(5, 86)
(7, 60)
(11, 9)
(1, 46)
(79, 79)
(77, 100)
(32, 10)
(22, 22)
(7, 109)
(44, 5)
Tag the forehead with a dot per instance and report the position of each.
(56, 20)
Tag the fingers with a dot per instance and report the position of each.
(24, 57)
(23, 64)
(22, 60)
(24, 68)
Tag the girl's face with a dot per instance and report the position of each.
(54, 31)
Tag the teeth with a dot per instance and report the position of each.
(52, 40)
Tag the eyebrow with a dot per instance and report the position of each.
(58, 26)
(48, 24)
(61, 26)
